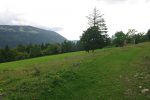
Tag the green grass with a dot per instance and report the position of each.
(106, 74)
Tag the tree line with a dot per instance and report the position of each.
(131, 37)
(96, 37)
(30, 51)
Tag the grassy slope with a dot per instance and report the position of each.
(107, 74)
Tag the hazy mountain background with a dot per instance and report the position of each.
(13, 35)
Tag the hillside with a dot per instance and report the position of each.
(107, 74)
(14, 35)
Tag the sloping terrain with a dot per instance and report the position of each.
(15, 35)
(107, 74)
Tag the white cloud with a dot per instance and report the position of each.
(113, 1)
(122, 1)
(9, 18)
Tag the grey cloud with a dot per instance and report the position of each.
(57, 29)
(147, 0)
(9, 18)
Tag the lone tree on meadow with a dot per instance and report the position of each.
(95, 36)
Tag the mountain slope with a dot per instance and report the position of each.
(14, 35)
(107, 74)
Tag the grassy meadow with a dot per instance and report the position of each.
(107, 74)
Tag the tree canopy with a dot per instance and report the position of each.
(119, 39)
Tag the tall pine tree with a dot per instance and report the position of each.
(95, 36)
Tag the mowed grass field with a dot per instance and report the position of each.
(106, 74)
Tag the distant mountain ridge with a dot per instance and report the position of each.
(13, 35)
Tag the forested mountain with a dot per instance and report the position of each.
(13, 35)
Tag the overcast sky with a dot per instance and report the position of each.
(68, 17)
